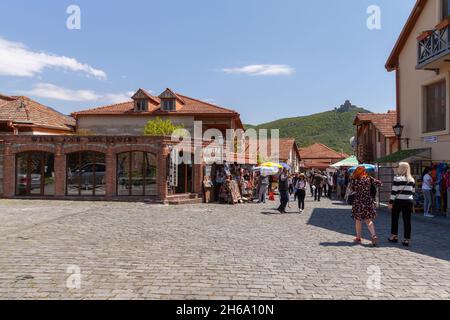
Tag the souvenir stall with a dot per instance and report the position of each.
(419, 159)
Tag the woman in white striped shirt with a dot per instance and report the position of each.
(402, 201)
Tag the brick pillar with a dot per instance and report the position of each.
(198, 179)
(8, 172)
(162, 173)
(60, 172)
(1, 167)
(110, 173)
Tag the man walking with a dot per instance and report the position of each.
(283, 188)
(311, 182)
(318, 183)
(263, 187)
(340, 186)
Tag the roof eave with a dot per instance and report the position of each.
(393, 62)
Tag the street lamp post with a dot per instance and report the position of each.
(398, 129)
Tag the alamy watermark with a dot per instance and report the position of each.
(233, 145)
(73, 22)
(73, 282)
(374, 274)
(374, 19)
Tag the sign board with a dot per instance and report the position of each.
(173, 168)
(431, 139)
(213, 155)
(208, 171)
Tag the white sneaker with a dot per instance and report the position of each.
(427, 215)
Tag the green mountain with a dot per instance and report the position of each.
(333, 128)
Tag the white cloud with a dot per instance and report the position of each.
(51, 91)
(262, 70)
(19, 61)
(116, 97)
(47, 90)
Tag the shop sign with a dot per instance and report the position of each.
(213, 155)
(431, 139)
(173, 168)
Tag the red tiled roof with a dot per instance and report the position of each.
(173, 94)
(320, 151)
(316, 165)
(4, 98)
(384, 122)
(285, 147)
(154, 99)
(23, 110)
(191, 106)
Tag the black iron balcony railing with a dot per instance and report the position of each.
(433, 45)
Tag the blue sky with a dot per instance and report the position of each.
(316, 53)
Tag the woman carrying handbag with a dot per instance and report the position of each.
(402, 201)
(363, 203)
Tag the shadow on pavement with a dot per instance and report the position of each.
(428, 238)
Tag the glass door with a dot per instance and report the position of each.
(35, 174)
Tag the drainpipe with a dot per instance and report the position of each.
(397, 92)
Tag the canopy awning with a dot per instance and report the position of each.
(409, 154)
(349, 162)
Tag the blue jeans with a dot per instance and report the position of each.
(263, 192)
(428, 201)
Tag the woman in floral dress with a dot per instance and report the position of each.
(364, 206)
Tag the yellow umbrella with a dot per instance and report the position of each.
(272, 164)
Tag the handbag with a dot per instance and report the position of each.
(351, 199)
(350, 195)
(373, 189)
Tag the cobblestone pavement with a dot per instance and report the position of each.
(140, 251)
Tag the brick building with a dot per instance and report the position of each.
(101, 153)
(22, 115)
(375, 135)
(320, 156)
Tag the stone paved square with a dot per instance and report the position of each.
(141, 251)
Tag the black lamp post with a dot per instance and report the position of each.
(398, 129)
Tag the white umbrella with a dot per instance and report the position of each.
(267, 171)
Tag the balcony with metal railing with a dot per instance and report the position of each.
(434, 47)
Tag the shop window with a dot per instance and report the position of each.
(86, 174)
(35, 174)
(136, 174)
(435, 107)
(445, 9)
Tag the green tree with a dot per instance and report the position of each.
(160, 127)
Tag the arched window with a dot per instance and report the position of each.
(35, 174)
(136, 174)
(86, 174)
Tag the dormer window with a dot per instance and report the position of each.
(168, 105)
(141, 105)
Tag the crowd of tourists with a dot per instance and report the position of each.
(358, 188)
